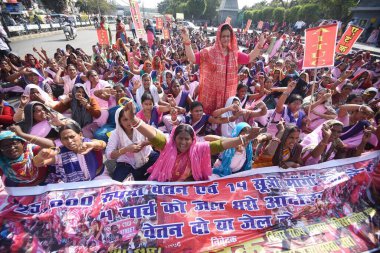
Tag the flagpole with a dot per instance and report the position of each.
(312, 92)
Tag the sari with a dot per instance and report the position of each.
(352, 135)
(72, 167)
(227, 128)
(215, 89)
(21, 171)
(155, 117)
(224, 169)
(173, 166)
(41, 129)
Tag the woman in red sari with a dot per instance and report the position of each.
(219, 66)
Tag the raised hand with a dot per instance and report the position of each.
(326, 133)
(24, 99)
(85, 148)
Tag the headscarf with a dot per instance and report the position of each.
(20, 170)
(367, 83)
(227, 128)
(27, 124)
(200, 160)
(79, 113)
(166, 85)
(152, 89)
(125, 141)
(45, 96)
(314, 138)
(224, 169)
(146, 63)
(212, 60)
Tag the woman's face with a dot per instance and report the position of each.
(303, 77)
(197, 113)
(5, 66)
(183, 141)
(169, 78)
(94, 78)
(295, 106)
(268, 83)
(31, 59)
(71, 71)
(179, 74)
(147, 105)
(320, 94)
(148, 67)
(80, 93)
(242, 92)
(146, 82)
(33, 94)
(346, 90)
(71, 140)
(125, 122)
(119, 92)
(12, 149)
(176, 88)
(336, 130)
(39, 113)
(225, 38)
(292, 140)
(119, 61)
(358, 100)
(33, 78)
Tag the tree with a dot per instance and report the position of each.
(267, 13)
(210, 9)
(309, 13)
(292, 14)
(58, 6)
(163, 6)
(93, 6)
(279, 14)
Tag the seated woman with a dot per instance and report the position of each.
(237, 159)
(130, 149)
(41, 121)
(84, 109)
(321, 109)
(181, 157)
(355, 119)
(69, 80)
(147, 86)
(167, 78)
(323, 144)
(151, 114)
(100, 90)
(16, 159)
(340, 97)
(291, 113)
(6, 111)
(181, 97)
(78, 159)
(103, 132)
(235, 114)
(283, 150)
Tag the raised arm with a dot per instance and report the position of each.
(187, 42)
(284, 96)
(257, 50)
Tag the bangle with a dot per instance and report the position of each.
(187, 43)
(242, 140)
(286, 93)
(33, 139)
(119, 151)
(138, 125)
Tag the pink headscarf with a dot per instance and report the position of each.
(200, 160)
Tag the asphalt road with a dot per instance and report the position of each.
(85, 39)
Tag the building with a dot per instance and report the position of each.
(367, 12)
(228, 8)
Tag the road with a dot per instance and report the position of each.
(85, 39)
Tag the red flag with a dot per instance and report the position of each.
(166, 34)
(136, 17)
(320, 46)
(159, 23)
(348, 39)
(228, 20)
(103, 36)
(249, 22)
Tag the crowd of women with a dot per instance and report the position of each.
(188, 108)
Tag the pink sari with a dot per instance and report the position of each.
(214, 90)
(171, 166)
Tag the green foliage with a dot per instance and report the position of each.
(307, 10)
(279, 14)
(58, 6)
(91, 6)
(267, 13)
(309, 13)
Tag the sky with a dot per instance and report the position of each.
(153, 3)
